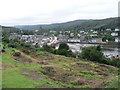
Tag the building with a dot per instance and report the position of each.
(96, 40)
(71, 34)
(95, 32)
(82, 31)
(62, 38)
(74, 40)
(93, 35)
(117, 29)
(114, 34)
(108, 29)
(117, 39)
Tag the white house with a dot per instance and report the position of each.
(95, 32)
(91, 30)
(73, 40)
(117, 39)
(82, 31)
(93, 35)
(72, 34)
(114, 34)
(117, 29)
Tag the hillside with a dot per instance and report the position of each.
(40, 69)
(9, 28)
(76, 25)
(50, 26)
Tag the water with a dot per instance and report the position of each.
(107, 50)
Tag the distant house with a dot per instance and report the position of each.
(74, 40)
(117, 39)
(36, 30)
(95, 32)
(93, 35)
(117, 30)
(114, 34)
(78, 35)
(82, 31)
(71, 34)
(96, 40)
(108, 29)
(67, 31)
(62, 38)
(52, 31)
(91, 30)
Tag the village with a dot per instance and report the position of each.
(65, 36)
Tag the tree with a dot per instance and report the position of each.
(62, 52)
(92, 54)
(98, 48)
(48, 48)
(63, 46)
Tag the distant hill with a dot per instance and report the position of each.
(76, 25)
(9, 28)
(51, 26)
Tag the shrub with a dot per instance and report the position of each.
(91, 53)
(48, 48)
(63, 46)
(62, 52)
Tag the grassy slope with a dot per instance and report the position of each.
(59, 71)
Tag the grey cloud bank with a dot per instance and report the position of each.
(47, 14)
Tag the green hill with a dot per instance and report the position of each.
(40, 69)
(77, 25)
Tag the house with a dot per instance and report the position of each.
(52, 31)
(114, 34)
(82, 31)
(117, 39)
(71, 34)
(95, 32)
(117, 29)
(91, 30)
(108, 29)
(78, 35)
(96, 40)
(62, 38)
(93, 35)
(74, 40)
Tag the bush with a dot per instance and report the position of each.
(91, 53)
(48, 48)
(62, 52)
(63, 46)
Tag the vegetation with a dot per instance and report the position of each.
(93, 53)
(77, 25)
(41, 69)
(26, 66)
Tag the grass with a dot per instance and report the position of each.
(85, 86)
(93, 76)
(13, 78)
(111, 83)
(40, 53)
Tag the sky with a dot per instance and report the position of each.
(31, 12)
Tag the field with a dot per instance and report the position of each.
(40, 69)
